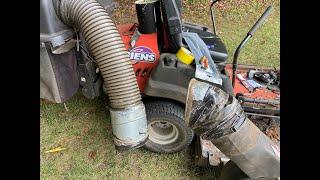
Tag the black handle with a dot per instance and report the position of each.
(213, 2)
(212, 16)
(263, 17)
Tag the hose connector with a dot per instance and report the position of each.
(129, 127)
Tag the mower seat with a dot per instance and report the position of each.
(171, 12)
(175, 27)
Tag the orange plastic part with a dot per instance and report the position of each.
(145, 54)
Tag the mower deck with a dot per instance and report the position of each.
(265, 115)
(262, 102)
(261, 93)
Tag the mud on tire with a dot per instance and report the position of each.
(168, 132)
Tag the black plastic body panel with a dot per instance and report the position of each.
(216, 47)
(89, 79)
(172, 24)
(170, 80)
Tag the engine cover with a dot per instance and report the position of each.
(144, 55)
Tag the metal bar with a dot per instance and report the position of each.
(251, 66)
(235, 57)
(254, 28)
(260, 110)
(262, 101)
(212, 16)
(260, 21)
(263, 115)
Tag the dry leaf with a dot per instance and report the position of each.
(92, 154)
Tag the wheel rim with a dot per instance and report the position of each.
(162, 132)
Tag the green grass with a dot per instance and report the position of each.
(234, 19)
(85, 130)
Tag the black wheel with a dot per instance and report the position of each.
(168, 133)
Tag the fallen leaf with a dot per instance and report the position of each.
(86, 130)
(65, 107)
(58, 149)
(92, 154)
(273, 133)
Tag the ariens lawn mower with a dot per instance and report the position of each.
(166, 80)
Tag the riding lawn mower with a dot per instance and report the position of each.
(166, 82)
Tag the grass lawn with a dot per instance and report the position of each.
(85, 130)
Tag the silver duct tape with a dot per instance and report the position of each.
(219, 118)
(129, 125)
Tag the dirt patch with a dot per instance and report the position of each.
(273, 133)
(269, 126)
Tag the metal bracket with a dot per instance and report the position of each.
(209, 150)
(209, 154)
(88, 77)
(200, 50)
(135, 38)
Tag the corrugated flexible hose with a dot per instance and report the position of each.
(107, 48)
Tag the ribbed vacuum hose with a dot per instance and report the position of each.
(107, 48)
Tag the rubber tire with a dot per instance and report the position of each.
(174, 114)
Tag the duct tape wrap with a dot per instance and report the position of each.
(216, 116)
(129, 127)
(212, 112)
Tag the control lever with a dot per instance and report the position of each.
(254, 28)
